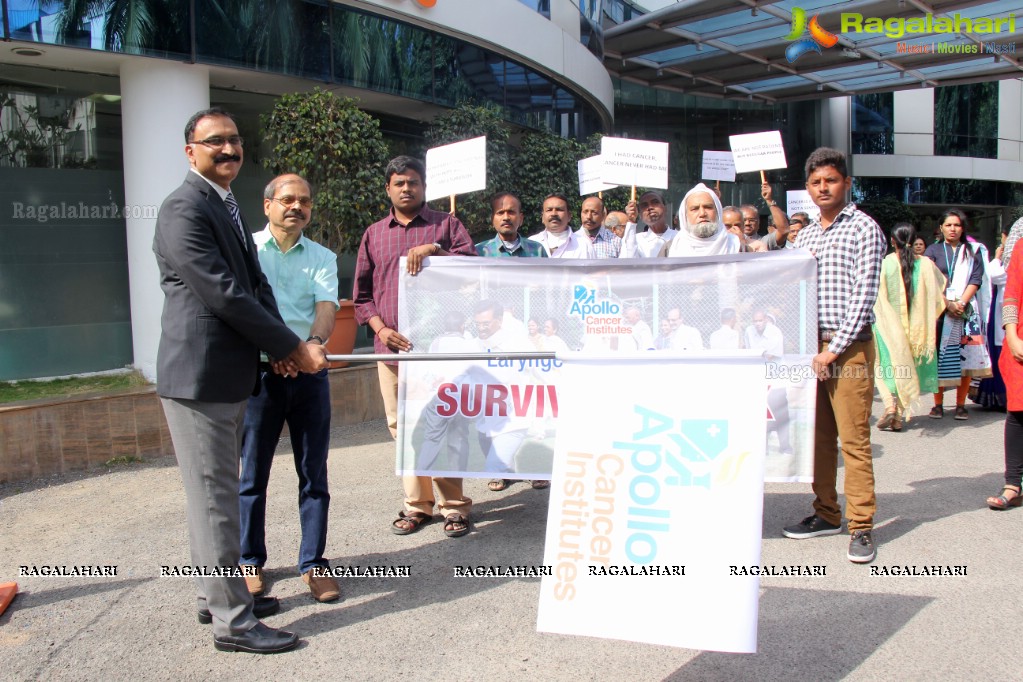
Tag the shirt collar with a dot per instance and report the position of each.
(265, 239)
(510, 248)
(221, 192)
(394, 222)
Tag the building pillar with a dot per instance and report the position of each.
(157, 99)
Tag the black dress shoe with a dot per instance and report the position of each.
(259, 640)
(261, 608)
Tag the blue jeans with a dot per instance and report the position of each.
(304, 403)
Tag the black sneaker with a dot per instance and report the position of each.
(811, 527)
(861, 547)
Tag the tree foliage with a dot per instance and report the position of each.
(464, 123)
(888, 211)
(339, 149)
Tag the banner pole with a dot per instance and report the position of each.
(763, 178)
(452, 211)
(633, 193)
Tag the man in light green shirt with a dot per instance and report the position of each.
(303, 276)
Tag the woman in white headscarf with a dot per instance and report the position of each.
(702, 231)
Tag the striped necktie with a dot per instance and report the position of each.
(236, 215)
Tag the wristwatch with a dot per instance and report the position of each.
(439, 247)
(317, 338)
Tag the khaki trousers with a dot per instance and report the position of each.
(419, 489)
(843, 415)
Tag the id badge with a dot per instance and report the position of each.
(952, 294)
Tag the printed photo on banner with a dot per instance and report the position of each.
(500, 418)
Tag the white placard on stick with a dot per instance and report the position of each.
(797, 200)
(456, 168)
(638, 163)
(718, 166)
(757, 151)
(591, 171)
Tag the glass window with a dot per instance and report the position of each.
(158, 29)
(873, 129)
(966, 120)
(64, 304)
(291, 36)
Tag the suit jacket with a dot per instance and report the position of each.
(218, 310)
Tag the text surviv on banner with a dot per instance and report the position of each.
(639, 163)
(500, 417)
(718, 166)
(621, 536)
(456, 168)
(757, 151)
(591, 170)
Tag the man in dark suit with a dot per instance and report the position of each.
(218, 313)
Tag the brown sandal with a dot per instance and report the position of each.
(498, 484)
(1001, 502)
(456, 519)
(415, 521)
(540, 485)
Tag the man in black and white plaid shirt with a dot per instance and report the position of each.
(849, 247)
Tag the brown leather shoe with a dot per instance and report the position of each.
(254, 579)
(323, 587)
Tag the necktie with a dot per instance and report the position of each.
(236, 215)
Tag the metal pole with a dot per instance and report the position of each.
(440, 357)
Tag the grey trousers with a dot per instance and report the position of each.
(207, 444)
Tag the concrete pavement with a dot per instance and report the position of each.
(931, 480)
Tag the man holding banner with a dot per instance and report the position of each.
(411, 229)
(849, 247)
(703, 233)
(558, 239)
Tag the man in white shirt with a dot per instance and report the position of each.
(641, 332)
(703, 232)
(646, 244)
(683, 337)
(557, 238)
(764, 335)
(727, 337)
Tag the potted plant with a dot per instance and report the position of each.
(339, 149)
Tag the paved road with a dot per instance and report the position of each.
(932, 481)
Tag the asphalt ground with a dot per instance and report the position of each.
(932, 480)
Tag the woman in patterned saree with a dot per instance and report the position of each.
(962, 351)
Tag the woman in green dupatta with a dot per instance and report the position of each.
(909, 300)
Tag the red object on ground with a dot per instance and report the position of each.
(7, 592)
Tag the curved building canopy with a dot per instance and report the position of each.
(803, 49)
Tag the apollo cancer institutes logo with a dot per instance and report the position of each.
(898, 27)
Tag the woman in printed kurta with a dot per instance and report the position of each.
(909, 300)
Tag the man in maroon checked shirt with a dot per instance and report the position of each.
(411, 229)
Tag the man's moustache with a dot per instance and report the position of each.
(295, 214)
(221, 158)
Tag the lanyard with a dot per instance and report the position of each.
(951, 267)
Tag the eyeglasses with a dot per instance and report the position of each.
(216, 142)
(288, 200)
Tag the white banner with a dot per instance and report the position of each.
(590, 171)
(757, 151)
(718, 166)
(799, 200)
(499, 418)
(656, 504)
(456, 168)
(634, 162)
